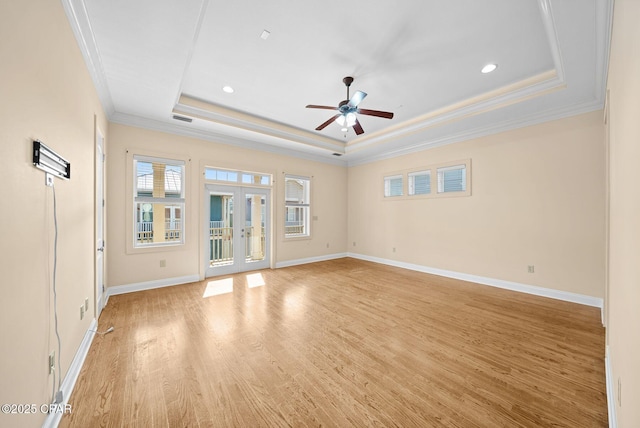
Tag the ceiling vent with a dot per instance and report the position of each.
(182, 118)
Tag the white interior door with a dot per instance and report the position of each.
(237, 233)
(99, 280)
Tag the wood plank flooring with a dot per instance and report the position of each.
(342, 343)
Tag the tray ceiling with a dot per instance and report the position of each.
(153, 59)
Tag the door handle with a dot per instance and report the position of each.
(101, 249)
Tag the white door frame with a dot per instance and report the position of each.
(239, 194)
(99, 222)
(607, 213)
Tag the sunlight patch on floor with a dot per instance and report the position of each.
(255, 280)
(218, 287)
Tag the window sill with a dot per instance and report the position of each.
(297, 238)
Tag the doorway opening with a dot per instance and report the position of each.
(237, 232)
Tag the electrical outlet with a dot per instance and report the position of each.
(163, 263)
(394, 249)
(327, 245)
(52, 361)
(531, 269)
(86, 304)
(81, 312)
(354, 243)
(48, 179)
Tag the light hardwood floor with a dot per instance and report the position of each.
(342, 343)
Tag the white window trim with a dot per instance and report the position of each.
(238, 181)
(433, 171)
(130, 176)
(387, 186)
(155, 200)
(440, 170)
(411, 187)
(308, 205)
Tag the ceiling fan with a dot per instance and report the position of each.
(348, 110)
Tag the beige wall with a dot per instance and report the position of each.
(537, 199)
(623, 323)
(329, 203)
(46, 94)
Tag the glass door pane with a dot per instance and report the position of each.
(254, 231)
(221, 229)
(236, 234)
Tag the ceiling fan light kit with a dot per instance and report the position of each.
(348, 118)
(349, 110)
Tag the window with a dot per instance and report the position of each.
(297, 206)
(221, 175)
(256, 179)
(229, 176)
(393, 186)
(443, 180)
(452, 179)
(419, 183)
(158, 196)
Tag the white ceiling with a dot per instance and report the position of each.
(151, 59)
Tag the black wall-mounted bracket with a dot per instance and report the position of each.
(50, 162)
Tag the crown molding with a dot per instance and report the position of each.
(219, 114)
(604, 22)
(546, 14)
(536, 86)
(185, 131)
(483, 131)
(78, 18)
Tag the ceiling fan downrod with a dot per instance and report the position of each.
(348, 81)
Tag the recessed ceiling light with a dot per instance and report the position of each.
(344, 129)
(228, 89)
(489, 68)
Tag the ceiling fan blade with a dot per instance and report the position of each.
(356, 99)
(324, 125)
(377, 113)
(358, 128)
(322, 107)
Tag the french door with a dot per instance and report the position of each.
(237, 229)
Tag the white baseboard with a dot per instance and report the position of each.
(296, 262)
(148, 285)
(69, 382)
(611, 399)
(509, 285)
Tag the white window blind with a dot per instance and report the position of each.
(452, 179)
(393, 186)
(419, 183)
